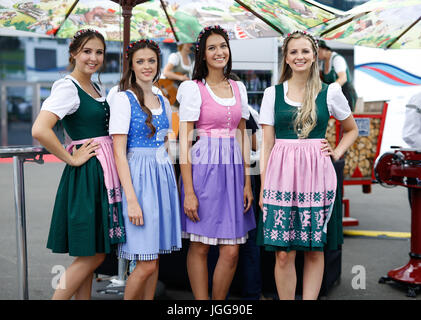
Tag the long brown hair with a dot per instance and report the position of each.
(306, 120)
(79, 40)
(128, 81)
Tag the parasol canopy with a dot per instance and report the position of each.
(386, 24)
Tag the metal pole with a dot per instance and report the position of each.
(22, 258)
(3, 115)
(36, 105)
(416, 222)
(122, 268)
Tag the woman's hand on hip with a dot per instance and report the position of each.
(328, 151)
(84, 153)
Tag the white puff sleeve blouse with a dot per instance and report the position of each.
(120, 111)
(64, 99)
(336, 102)
(412, 127)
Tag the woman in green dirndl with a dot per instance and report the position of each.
(298, 180)
(87, 219)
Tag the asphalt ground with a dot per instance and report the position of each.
(365, 258)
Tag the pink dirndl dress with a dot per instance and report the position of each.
(218, 175)
(300, 184)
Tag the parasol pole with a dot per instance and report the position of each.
(401, 35)
(169, 20)
(65, 18)
(127, 6)
(127, 15)
(344, 22)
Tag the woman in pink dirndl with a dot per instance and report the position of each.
(215, 190)
(298, 177)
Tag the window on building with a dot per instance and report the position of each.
(112, 62)
(45, 59)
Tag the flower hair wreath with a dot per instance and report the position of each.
(209, 28)
(81, 32)
(304, 33)
(132, 44)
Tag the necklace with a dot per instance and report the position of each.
(87, 87)
(159, 103)
(93, 92)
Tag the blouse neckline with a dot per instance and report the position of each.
(228, 102)
(100, 99)
(288, 100)
(156, 111)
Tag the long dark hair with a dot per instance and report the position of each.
(128, 81)
(79, 40)
(200, 70)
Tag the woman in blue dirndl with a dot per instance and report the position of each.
(139, 123)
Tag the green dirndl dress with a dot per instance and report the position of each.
(334, 235)
(81, 216)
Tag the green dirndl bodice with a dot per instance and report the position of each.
(80, 221)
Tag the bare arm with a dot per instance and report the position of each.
(244, 142)
(268, 141)
(190, 200)
(254, 142)
(349, 136)
(169, 74)
(342, 78)
(133, 208)
(42, 130)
